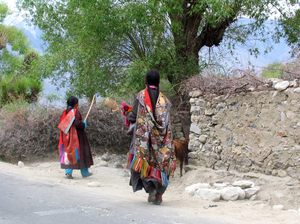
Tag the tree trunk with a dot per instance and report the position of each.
(3, 41)
(187, 38)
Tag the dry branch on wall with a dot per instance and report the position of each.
(209, 84)
(291, 70)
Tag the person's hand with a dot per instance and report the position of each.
(84, 124)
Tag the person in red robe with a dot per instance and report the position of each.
(81, 157)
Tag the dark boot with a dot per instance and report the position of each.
(158, 198)
(69, 176)
(152, 194)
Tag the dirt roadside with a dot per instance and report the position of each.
(273, 191)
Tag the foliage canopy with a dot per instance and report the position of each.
(107, 46)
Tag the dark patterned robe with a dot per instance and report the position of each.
(136, 181)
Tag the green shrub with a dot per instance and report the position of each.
(273, 70)
(19, 87)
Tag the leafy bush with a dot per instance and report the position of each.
(22, 87)
(273, 70)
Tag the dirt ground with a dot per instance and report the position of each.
(114, 181)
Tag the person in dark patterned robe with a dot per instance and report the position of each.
(151, 154)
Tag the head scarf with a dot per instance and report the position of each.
(152, 78)
(72, 101)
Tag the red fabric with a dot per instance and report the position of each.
(148, 100)
(69, 149)
(124, 109)
(66, 120)
(130, 156)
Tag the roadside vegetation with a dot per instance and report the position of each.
(19, 64)
(29, 132)
(105, 48)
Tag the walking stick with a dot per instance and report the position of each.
(90, 108)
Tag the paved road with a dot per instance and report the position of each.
(24, 201)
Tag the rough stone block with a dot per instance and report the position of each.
(243, 184)
(106, 158)
(219, 165)
(243, 161)
(203, 138)
(278, 207)
(196, 93)
(193, 188)
(193, 155)
(209, 112)
(21, 164)
(279, 165)
(218, 149)
(194, 128)
(200, 102)
(194, 109)
(215, 120)
(280, 86)
(93, 184)
(193, 162)
(103, 163)
(240, 169)
(274, 172)
(293, 172)
(297, 90)
(251, 191)
(192, 101)
(214, 156)
(208, 147)
(209, 194)
(118, 165)
(282, 173)
(192, 136)
(188, 168)
(230, 193)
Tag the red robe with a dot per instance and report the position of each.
(85, 151)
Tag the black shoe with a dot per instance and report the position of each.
(157, 202)
(69, 176)
(90, 174)
(158, 199)
(152, 197)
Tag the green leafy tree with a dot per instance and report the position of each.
(273, 70)
(96, 47)
(291, 27)
(19, 65)
(108, 45)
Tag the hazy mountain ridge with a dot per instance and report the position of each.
(33, 33)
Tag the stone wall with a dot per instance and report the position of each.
(180, 126)
(177, 128)
(256, 131)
